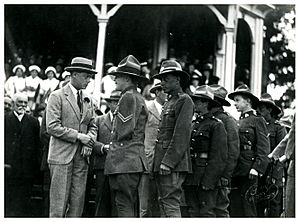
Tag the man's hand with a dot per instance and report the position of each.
(86, 151)
(253, 174)
(86, 140)
(164, 169)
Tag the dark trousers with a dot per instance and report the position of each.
(125, 190)
(222, 202)
(104, 204)
(201, 202)
(46, 189)
(240, 204)
(148, 197)
(169, 189)
(17, 197)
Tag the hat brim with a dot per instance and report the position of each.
(195, 97)
(275, 108)
(130, 74)
(112, 99)
(184, 79)
(252, 97)
(222, 101)
(77, 68)
(153, 89)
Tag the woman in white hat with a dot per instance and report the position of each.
(51, 83)
(16, 83)
(32, 83)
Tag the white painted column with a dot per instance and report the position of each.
(257, 57)
(100, 58)
(229, 60)
(220, 60)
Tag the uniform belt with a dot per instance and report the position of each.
(201, 155)
(246, 147)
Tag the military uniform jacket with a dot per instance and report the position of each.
(254, 144)
(276, 134)
(127, 150)
(172, 146)
(208, 151)
(233, 140)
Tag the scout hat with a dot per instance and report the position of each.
(156, 86)
(34, 67)
(204, 92)
(81, 64)
(173, 67)
(220, 94)
(129, 66)
(19, 67)
(244, 90)
(114, 96)
(267, 100)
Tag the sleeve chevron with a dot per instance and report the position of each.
(124, 119)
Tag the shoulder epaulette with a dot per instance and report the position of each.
(215, 118)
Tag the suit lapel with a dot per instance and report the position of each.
(152, 108)
(107, 121)
(72, 100)
(85, 106)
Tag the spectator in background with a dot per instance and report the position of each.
(104, 201)
(33, 84)
(147, 188)
(195, 82)
(51, 83)
(16, 83)
(65, 78)
(8, 103)
(22, 145)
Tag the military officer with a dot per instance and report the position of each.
(208, 153)
(172, 158)
(270, 111)
(233, 143)
(126, 159)
(254, 148)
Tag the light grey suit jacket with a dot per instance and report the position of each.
(64, 121)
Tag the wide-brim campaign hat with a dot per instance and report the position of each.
(220, 94)
(81, 64)
(129, 66)
(156, 86)
(204, 92)
(266, 99)
(172, 67)
(34, 67)
(114, 96)
(19, 67)
(244, 90)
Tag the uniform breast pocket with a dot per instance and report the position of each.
(201, 141)
(247, 136)
(168, 118)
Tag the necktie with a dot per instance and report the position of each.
(79, 100)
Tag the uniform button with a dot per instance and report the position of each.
(193, 140)
(121, 144)
(156, 141)
(110, 143)
(112, 131)
(194, 131)
(158, 130)
(200, 133)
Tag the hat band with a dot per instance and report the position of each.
(128, 69)
(82, 65)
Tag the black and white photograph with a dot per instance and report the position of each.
(124, 109)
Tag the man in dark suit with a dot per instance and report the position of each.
(126, 159)
(104, 204)
(70, 123)
(22, 143)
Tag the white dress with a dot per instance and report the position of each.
(32, 84)
(14, 85)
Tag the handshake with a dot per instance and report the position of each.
(88, 144)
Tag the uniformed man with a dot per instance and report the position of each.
(126, 159)
(209, 155)
(172, 158)
(270, 111)
(253, 160)
(233, 143)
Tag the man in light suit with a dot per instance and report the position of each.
(70, 123)
(147, 187)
